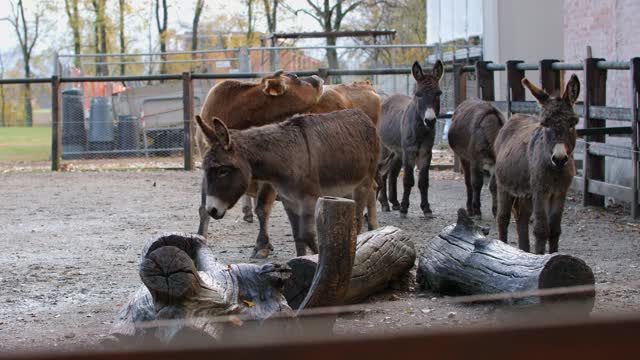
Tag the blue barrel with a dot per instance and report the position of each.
(74, 136)
(101, 126)
(128, 133)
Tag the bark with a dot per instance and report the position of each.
(123, 45)
(27, 41)
(194, 27)
(250, 21)
(461, 260)
(100, 36)
(161, 22)
(71, 8)
(271, 12)
(382, 257)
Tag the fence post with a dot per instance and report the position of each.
(187, 104)
(56, 124)
(459, 95)
(549, 78)
(244, 62)
(635, 139)
(485, 83)
(515, 90)
(595, 95)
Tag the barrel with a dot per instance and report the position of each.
(101, 126)
(128, 133)
(74, 136)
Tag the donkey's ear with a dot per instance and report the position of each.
(438, 70)
(206, 130)
(540, 95)
(222, 133)
(572, 91)
(417, 72)
(274, 87)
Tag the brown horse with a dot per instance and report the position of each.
(303, 158)
(474, 127)
(535, 167)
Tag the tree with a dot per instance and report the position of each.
(161, 22)
(250, 20)
(73, 15)
(271, 12)
(27, 41)
(123, 45)
(330, 15)
(100, 35)
(2, 98)
(194, 28)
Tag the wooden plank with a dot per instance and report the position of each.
(187, 108)
(618, 192)
(526, 107)
(549, 77)
(601, 338)
(610, 150)
(56, 123)
(595, 94)
(635, 137)
(515, 90)
(610, 113)
(485, 81)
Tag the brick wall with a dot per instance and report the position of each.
(611, 28)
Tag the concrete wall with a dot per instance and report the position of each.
(611, 28)
(521, 30)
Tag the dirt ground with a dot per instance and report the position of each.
(70, 244)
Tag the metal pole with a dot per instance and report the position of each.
(187, 103)
(56, 124)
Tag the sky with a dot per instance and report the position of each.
(180, 12)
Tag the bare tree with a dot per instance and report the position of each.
(73, 15)
(196, 23)
(250, 21)
(330, 15)
(161, 22)
(27, 41)
(271, 11)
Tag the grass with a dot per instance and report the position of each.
(25, 144)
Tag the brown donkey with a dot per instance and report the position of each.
(303, 158)
(474, 127)
(535, 167)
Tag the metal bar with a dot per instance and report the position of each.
(495, 67)
(612, 65)
(46, 80)
(525, 107)
(158, 62)
(566, 66)
(527, 67)
(148, 54)
(601, 131)
(56, 123)
(635, 138)
(322, 47)
(187, 101)
(121, 78)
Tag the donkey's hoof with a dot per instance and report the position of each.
(261, 253)
(248, 218)
(403, 215)
(385, 208)
(395, 206)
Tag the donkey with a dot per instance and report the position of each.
(407, 129)
(474, 127)
(303, 158)
(535, 167)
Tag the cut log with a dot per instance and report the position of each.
(382, 256)
(461, 260)
(184, 284)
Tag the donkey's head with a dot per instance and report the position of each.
(558, 119)
(228, 175)
(299, 91)
(427, 92)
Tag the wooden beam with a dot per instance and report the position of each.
(187, 109)
(595, 94)
(56, 123)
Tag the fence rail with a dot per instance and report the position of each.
(594, 109)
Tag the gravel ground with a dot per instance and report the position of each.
(70, 243)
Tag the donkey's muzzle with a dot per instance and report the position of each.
(214, 213)
(560, 155)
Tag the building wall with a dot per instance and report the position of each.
(521, 30)
(611, 29)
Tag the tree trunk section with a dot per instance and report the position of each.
(382, 256)
(461, 260)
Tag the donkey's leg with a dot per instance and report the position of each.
(204, 216)
(382, 195)
(493, 187)
(408, 163)
(477, 180)
(505, 204)
(541, 221)
(246, 208)
(523, 214)
(362, 195)
(466, 170)
(372, 211)
(423, 179)
(394, 172)
(302, 218)
(556, 209)
(264, 204)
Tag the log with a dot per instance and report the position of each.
(461, 260)
(187, 287)
(382, 256)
